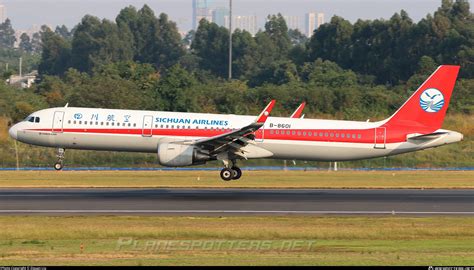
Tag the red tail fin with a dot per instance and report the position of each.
(424, 111)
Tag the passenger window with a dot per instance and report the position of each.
(69, 122)
(96, 123)
(326, 134)
(343, 135)
(74, 122)
(131, 124)
(288, 132)
(320, 134)
(299, 133)
(293, 133)
(85, 122)
(332, 134)
(135, 124)
(310, 133)
(277, 132)
(353, 136)
(101, 123)
(348, 135)
(271, 132)
(113, 124)
(106, 123)
(359, 136)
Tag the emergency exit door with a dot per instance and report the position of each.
(147, 130)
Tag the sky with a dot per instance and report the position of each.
(26, 13)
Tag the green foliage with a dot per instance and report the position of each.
(391, 49)
(55, 54)
(7, 34)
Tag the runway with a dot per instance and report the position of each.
(229, 202)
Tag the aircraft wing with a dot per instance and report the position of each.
(235, 139)
(299, 111)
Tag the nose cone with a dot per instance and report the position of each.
(13, 132)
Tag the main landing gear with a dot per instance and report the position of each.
(232, 173)
(60, 155)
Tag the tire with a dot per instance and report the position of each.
(58, 166)
(237, 173)
(227, 174)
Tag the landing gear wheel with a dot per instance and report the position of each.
(58, 166)
(227, 174)
(237, 173)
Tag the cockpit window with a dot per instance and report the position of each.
(32, 119)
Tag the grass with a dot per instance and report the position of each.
(250, 179)
(39, 240)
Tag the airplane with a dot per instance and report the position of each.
(185, 139)
(298, 112)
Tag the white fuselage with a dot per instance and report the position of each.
(284, 138)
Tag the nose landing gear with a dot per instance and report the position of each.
(232, 173)
(60, 155)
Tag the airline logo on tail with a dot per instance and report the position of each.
(431, 100)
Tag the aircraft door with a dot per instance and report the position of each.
(380, 137)
(58, 119)
(147, 130)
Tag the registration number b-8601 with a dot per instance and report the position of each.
(280, 125)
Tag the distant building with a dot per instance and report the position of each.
(25, 81)
(312, 22)
(218, 16)
(201, 11)
(3, 13)
(247, 23)
(293, 22)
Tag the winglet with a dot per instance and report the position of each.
(266, 112)
(299, 110)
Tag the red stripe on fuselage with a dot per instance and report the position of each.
(320, 135)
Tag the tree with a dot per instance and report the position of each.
(55, 53)
(154, 40)
(63, 32)
(175, 90)
(36, 45)
(243, 54)
(211, 45)
(97, 43)
(7, 34)
(296, 37)
(277, 30)
(25, 43)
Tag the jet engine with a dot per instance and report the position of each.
(177, 155)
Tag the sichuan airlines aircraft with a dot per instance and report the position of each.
(184, 139)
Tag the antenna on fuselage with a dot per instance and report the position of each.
(67, 104)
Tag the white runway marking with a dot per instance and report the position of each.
(239, 212)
